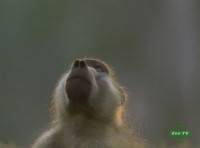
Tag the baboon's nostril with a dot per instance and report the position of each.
(82, 64)
(76, 63)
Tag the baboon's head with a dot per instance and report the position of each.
(91, 87)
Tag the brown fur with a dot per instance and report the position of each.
(83, 126)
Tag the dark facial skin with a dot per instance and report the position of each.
(78, 86)
(79, 82)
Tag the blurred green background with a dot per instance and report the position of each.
(154, 46)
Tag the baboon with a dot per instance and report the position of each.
(88, 107)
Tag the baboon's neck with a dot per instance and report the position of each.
(88, 120)
(80, 126)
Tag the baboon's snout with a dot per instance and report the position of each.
(78, 83)
(79, 64)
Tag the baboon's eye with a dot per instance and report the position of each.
(97, 65)
(99, 68)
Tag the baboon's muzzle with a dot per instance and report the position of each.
(78, 84)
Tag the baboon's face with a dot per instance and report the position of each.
(89, 83)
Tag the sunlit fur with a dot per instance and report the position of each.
(104, 127)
